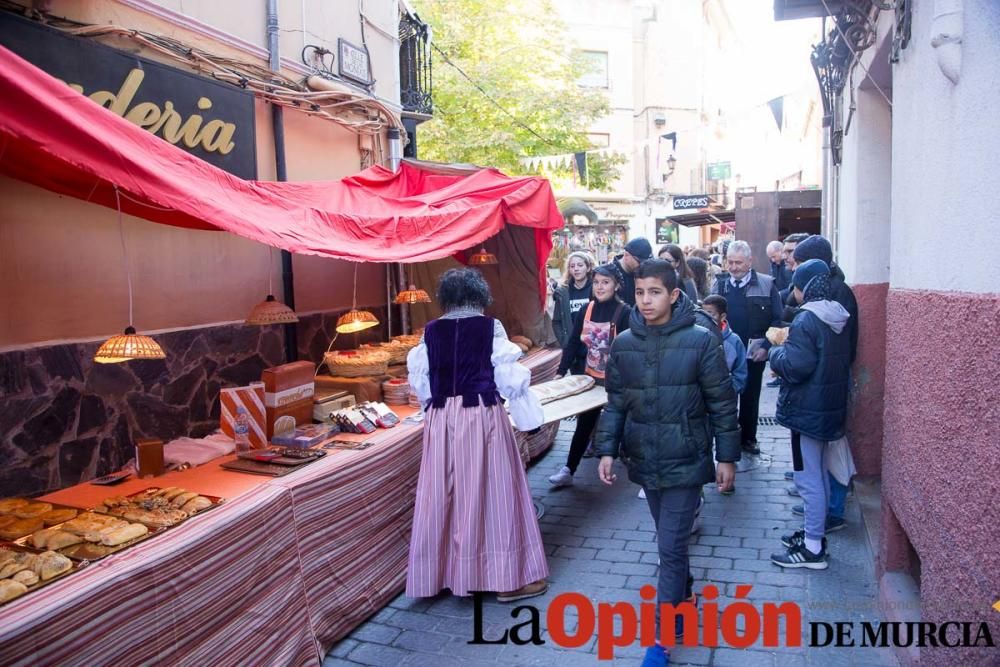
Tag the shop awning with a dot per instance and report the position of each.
(704, 217)
(57, 139)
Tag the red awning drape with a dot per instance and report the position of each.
(55, 138)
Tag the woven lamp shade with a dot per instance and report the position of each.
(127, 347)
(413, 295)
(483, 257)
(354, 321)
(271, 311)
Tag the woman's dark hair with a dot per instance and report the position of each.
(699, 273)
(658, 268)
(683, 274)
(463, 288)
(700, 253)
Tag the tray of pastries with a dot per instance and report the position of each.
(21, 516)
(158, 507)
(88, 536)
(25, 570)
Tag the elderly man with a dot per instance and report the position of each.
(637, 251)
(779, 271)
(753, 305)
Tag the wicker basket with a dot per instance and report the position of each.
(397, 350)
(357, 364)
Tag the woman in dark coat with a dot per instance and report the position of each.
(572, 294)
(673, 254)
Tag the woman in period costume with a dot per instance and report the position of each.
(474, 524)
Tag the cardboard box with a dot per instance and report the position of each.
(252, 400)
(288, 390)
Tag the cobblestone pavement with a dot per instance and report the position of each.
(600, 542)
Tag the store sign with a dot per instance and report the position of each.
(211, 120)
(666, 231)
(353, 62)
(691, 201)
(718, 171)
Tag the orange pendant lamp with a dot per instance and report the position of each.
(412, 295)
(356, 320)
(482, 258)
(128, 345)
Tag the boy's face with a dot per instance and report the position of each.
(654, 300)
(719, 318)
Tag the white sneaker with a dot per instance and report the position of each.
(562, 478)
(642, 493)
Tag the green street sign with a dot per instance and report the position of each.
(718, 171)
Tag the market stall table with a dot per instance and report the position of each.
(275, 575)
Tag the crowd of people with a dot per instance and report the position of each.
(680, 342)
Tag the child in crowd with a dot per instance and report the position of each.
(736, 352)
(668, 390)
(586, 353)
(813, 364)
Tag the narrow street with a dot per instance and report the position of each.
(601, 543)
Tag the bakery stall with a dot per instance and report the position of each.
(225, 549)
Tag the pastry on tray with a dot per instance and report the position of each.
(32, 510)
(52, 517)
(19, 528)
(8, 505)
(10, 589)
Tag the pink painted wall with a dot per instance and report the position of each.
(867, 399)
(941, 461)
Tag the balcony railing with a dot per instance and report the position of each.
(415, 82)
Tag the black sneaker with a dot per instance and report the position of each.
(798, 537)
(799, 556)
(776, 382)
(751, 448)
(790, 476)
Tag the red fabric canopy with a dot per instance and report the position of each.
(55, 138)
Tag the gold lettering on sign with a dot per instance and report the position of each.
(215, 136)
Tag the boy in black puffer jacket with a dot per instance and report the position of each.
(669, 393)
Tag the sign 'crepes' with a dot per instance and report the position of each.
(211, 120)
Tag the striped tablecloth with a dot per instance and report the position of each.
(276, 575)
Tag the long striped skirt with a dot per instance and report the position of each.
(474, 524)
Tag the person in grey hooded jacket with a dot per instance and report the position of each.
(814, 364)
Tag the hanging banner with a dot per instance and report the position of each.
(211, 120)
(666, 231)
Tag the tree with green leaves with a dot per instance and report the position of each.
(505, 88)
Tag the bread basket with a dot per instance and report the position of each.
(357, 363)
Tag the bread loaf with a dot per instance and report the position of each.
(10, 589)
(26, 577)
(50, 564)
(182, 498)
(196, 504)
(121, 535)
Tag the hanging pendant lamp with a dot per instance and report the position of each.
(356, 320)
(413, 295)
(128, 345)
(482, 257)
(270, 310)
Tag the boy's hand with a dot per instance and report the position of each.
(604, 470)
(725, 475)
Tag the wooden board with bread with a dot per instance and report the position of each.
(24, 570)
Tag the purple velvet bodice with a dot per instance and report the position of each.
(459, 351)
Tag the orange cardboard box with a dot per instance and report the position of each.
(288, 390)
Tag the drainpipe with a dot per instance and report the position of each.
(278, 125)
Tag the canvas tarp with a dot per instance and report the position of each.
(57, 139)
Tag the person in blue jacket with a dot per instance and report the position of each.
(813, 365)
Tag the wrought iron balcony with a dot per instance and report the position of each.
(415, 81)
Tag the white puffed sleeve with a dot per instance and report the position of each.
(512, 380)
(418, 367)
